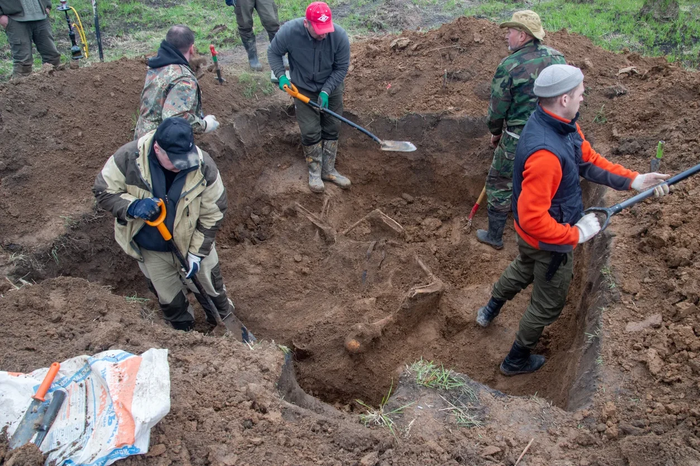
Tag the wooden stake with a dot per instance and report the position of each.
(524, 451)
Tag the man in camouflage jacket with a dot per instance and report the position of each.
(166, 164)
(171, 88)
(512, 102)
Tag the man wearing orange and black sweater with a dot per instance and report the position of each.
(551, 156)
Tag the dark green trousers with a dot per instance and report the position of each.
(267, 10)
(499, 181)
(548, 297)
(314, 125)
(21, 34)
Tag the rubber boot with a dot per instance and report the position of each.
(329, 173)
(494, 235)
(520, 361)
(486, 314)
(252, 50)
(314, 156)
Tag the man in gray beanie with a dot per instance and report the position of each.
(551, 156)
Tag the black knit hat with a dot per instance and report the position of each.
(175, 137)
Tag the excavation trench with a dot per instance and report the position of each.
(386, 264)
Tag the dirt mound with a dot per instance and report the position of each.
(305, 270)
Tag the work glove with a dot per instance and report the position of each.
(650, 180)
(193, 262)
(588, 227)
(231, 3)
(211, 122)
(146, 209)
(323, 99)
(284, 81)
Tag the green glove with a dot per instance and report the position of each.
(284, 82)
(323, 99)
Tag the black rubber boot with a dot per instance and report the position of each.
(184, 326)
(520, 361)
(252, 51)
(494, 236)
(486, 314)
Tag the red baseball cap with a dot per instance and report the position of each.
(320, 16)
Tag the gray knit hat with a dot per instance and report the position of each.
(556, 80)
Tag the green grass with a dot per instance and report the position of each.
(255, 84)
(614, 25)
(381, 416)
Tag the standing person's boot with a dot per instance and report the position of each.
(314, 156)
(494, 235)
(486, 314)
(520, 361)
(252, 51)
(329, 173)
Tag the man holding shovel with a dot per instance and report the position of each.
(166, 164)
(319, 57)
(511, 104)
(551, 156)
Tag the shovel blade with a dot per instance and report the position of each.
(398, 146)
(237, 329)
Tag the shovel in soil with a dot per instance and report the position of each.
(215, 59)
(479, 201)
(394, 146)
(608, 212)
(230, 323)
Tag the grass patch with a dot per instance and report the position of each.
(381, 416)
(255, 84)
(135, 298)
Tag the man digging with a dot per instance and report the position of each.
(165, 164)
(551, 156)
(512, 102)
(319, 57)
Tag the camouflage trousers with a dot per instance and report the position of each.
(499, 181)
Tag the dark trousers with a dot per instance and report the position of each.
(548, 297)
(21, 34)
(314, 125)
(267, 10)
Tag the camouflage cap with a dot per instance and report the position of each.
(527, 21)
(556, 80)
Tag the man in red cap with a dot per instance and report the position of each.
(319, 57)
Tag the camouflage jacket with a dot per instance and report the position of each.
(170, 91)
(512, 97)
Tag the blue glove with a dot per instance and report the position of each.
(323, 99)
(193, 262)
(231, 3)
(146, 209)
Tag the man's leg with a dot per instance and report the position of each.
(267, 10)
(547, 301)
(330, 130)
(499, 191)
(310, 126)
(162, 269)
(45, 45)
(244, 19)
(210, 277)
(19, 36)
(515, 278)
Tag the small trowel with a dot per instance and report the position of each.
(215, 58)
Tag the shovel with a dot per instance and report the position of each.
(479, 201)
(230, 323)
(608, 212)
(40, 415)
(215, 59)
(395, 146)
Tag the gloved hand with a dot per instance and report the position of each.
(146, 209)
(211, 122)
(231, 2)
(284, 81)
(588, 227)
(649, 180)
(323, 99)
(193, 261)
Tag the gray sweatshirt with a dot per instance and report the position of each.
(315, 65)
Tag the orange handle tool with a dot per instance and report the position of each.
(479, 201)
(294, 92)
(40, 394)
(213, 51)
(158, 223)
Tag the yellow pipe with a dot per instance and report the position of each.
(81, 31)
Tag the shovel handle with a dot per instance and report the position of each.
(40, 394)
(214, 53)
(294, 92)
(159, 223)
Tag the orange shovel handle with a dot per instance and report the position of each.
(40, 394)
(294, 92)
(159, 222)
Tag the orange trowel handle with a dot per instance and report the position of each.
(294, 92)
(46, 383)
(158, 223)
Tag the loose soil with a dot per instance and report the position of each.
(623, 374)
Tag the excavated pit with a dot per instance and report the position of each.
(359, 283)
